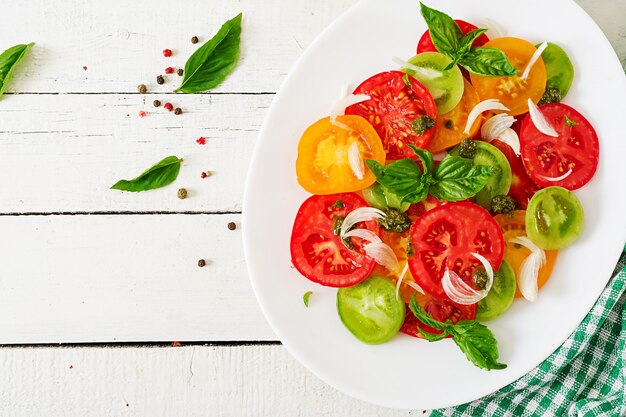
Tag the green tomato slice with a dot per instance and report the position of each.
(379, 197)
(554, 218)
(500, 181)
(500, 296)
(446, 87)
(559, 69)
(370, 310)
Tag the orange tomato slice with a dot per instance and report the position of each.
(516, 254)
(450, 126)
(323, 165)
(512, 91)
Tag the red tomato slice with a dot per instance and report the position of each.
(425, 43)
(441, 310)
(575, 148)
(392, 108)
(320, 255)
(445, 237)
(523, 188)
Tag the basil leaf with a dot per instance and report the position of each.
(457, 179)
(157, 176)
(424, 156)
(490, 62)
(8, 61)
(478, 343)
(424, 317)
(305, 298)
(214, 60)
(402, 178)
(468, 39)
(444, 31)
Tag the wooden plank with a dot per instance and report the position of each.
(121, 42)
(125, 278)
(61, 153)
(186, 381)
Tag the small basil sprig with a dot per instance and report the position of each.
(449, 40)
(214, 60)
(454, 179)
(159, 175)
(473, 338)
(8, 61)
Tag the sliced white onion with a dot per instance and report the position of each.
(365, 234)
(416, 287)
(339, 108)
(488, 269)
(400, 278)
(483, 106)
(562, 177)
(356, 162)
(496, 125)
(533, 60)
(494, 29)
(439, 156)
(540, 121)
(382, 254)
(362, 214)
(429, 73)
(459, 291)
(334, 122)
(529, 271)
(509, 136)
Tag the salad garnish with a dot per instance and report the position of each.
(529, 271)
(540, 121)
(480, 108)
(9, 60)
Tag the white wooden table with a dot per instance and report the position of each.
(116, 273)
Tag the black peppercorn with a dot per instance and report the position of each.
(156, 103)
(194, 39)
(178, 111)
(232, 226)
(201, 263)
(160, 79)
(180, 72)
(142, 88)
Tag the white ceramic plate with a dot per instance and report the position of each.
(410, 373)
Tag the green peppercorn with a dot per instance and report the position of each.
(182, 193)
(449, 124)
(142, 88)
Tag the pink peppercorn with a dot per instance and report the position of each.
(167, 53)
(169, 70)
(168, 106)
(203, 175)
(201, 141)
(142, 113)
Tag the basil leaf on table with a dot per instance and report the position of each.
(159, 175)
(457, 179)
(214, 60)
(8, 61)
(487, 61)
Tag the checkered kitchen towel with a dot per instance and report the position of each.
(586, 376)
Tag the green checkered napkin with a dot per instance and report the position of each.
(586, 376)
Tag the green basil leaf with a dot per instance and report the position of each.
(433, 337)
(424, 317)
(424, 156)
(468, 39)
(305, 298)
(157, 176)
(8, 61)
(478, 343)
(444, 31)
(214, 60)
(490, 62)
(402, 178)
(457, 179)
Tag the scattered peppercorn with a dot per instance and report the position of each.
(203, 175)
(449, 124)
(182, 193)
(142, 113)
(201, 140)
(168, 106)
(480, 279)
(467, 148)
(178, 111)
(194, 39)
(551, 95)
(201, 263)
(395, 221)
(208, 173)
(180, 72)
(142, 88)
(502, 204)
(232, 226)
(169, 70)
(85, 68)
(156, 103)
(174, 344)
(167, 53)
(160, 79)
(422, 124)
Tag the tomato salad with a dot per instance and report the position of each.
(442, 189)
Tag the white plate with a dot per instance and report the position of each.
(410, 373)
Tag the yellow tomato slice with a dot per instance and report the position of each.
(513, 91)
(450, 126)
(323, 164)
(516, 254)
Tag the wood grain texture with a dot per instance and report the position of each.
(186, 381)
